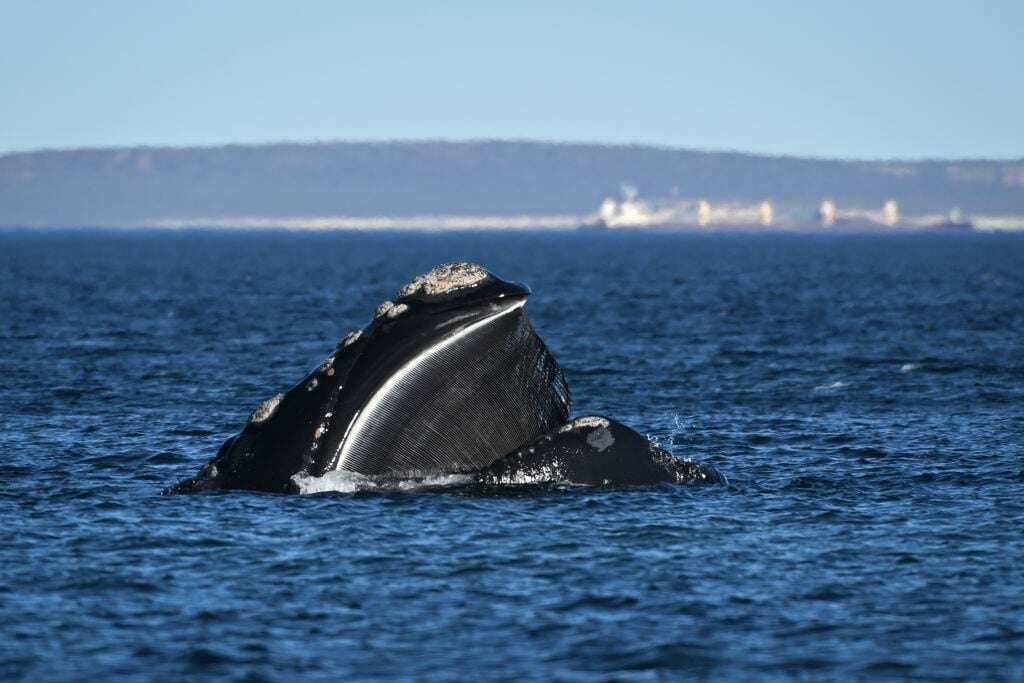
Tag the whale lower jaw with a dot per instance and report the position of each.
(596, 451)
(376, 408)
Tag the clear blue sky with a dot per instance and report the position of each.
(847, 79)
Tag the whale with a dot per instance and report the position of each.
(595, 450)
(448, 378)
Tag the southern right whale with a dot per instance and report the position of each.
(449, 377)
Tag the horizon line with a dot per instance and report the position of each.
(498, 140)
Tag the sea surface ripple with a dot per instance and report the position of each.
(864, 395)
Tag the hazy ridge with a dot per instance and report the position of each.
(125, 186)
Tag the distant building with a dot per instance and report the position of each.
(704, 213)
(891, 213)
(827, 213)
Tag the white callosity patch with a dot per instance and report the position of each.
(327, 367)
(445, 278)
(266, 409)
(312, 384)
(600, 438)
(383, 309)
(351, 338)
(397, 310)
(591, 421)
(588, 421)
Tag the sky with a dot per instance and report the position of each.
(910, 79)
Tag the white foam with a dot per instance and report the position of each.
(909, 367)
(834, 386)
(343, 481)
(436, 481)
(550, 473)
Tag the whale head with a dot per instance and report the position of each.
(448, 376)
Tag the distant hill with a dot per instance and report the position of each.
(136, 185)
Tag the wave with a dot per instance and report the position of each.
(831, 387)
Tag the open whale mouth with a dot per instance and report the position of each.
(440, 378)
(448, 377)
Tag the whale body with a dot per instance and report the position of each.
(449, 377)
(595, 450)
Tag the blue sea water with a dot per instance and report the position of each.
(864, 396)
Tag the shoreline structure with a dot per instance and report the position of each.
(501, 185)
(631, 212)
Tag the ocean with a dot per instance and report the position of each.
(864, 395)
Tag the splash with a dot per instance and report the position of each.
(342, 481)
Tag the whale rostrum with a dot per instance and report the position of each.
(449, 377)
